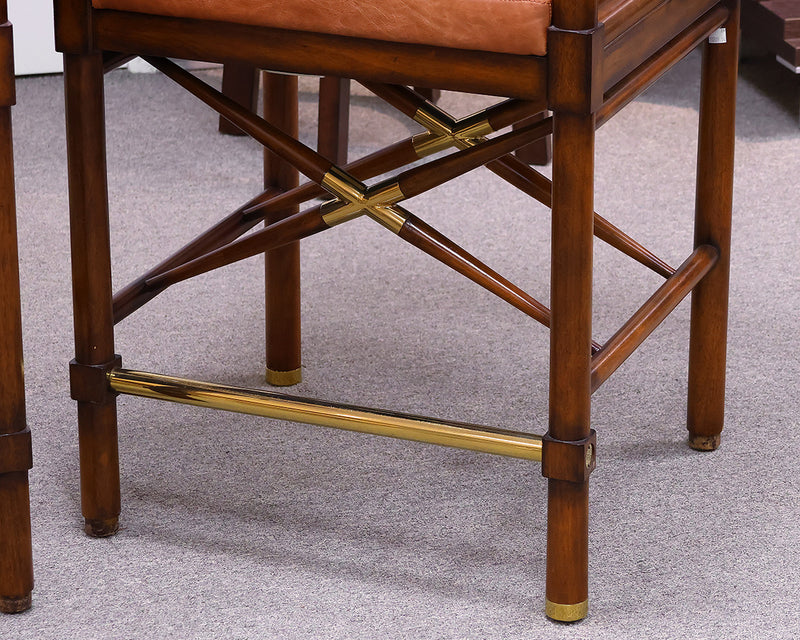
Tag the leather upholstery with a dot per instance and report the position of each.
(502, 26)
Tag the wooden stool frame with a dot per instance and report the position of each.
(600, 56)
(16, 561)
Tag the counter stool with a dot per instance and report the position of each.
(581, 60)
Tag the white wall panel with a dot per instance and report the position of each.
(34, 49)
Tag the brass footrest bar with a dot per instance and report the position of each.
(652, 313)
(511, 444)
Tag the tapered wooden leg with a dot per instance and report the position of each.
(283, 264)
(240, 83)
(91, 291)
(570, 363)
(334, 118)
(16, 562)
(709, 319)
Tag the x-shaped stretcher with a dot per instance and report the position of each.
(352, 198)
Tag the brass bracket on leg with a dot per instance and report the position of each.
(572, 461)
(89, 382)
(16, 453)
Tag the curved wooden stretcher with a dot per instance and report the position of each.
(581, 60)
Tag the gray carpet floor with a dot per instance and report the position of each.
(239, 527)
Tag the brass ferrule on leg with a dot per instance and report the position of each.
(566, 612)
(284, 378)
(271, 405)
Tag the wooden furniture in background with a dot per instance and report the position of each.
(775, 25)
(16, 562)
(595, 57)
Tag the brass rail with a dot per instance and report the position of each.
(512, 444)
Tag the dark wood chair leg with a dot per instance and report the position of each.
(283, 264)
(709, 319)
(539, 152)
(334, 118)
(16, 560)
(570, 363)
(92, 294)
(240, 83)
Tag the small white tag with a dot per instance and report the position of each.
(720, 36)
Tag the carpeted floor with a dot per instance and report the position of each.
(238, 527)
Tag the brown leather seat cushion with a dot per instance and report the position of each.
(503, 26)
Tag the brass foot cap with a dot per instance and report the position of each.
(15, 605)
(284, 378)
(566, 612)
(101, 528)
(704, 443)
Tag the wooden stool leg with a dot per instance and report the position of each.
(709, 319)
(240, 83)
(92, 294)
(570, 360)
(16, 561)
(334, 118)
(283, 264)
